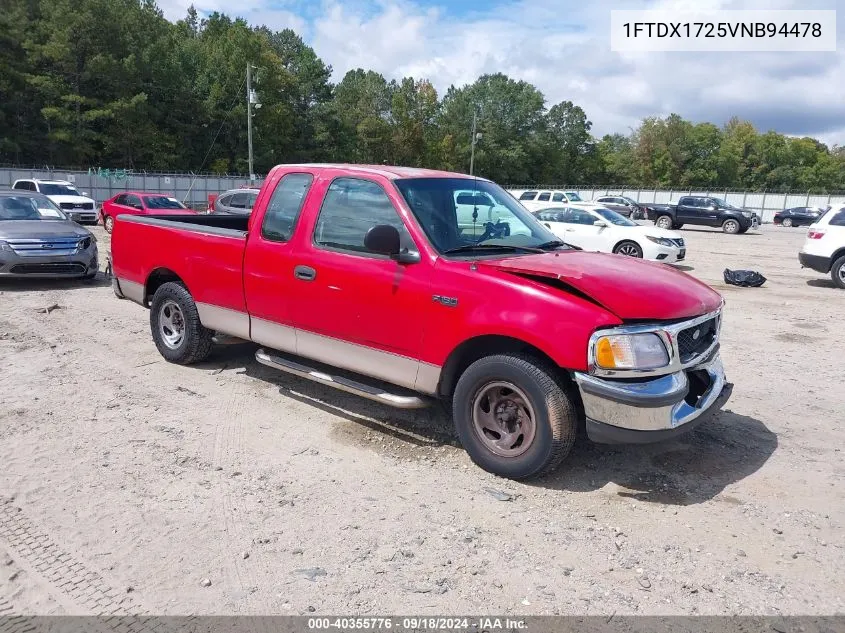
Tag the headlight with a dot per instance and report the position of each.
(747, 214)
(631, 351)
(5, 247)
(664, 241)
(84, 243)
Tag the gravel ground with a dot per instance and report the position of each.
(131, 485)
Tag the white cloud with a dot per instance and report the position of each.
(563, 47)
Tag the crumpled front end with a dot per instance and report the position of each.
(634, 406)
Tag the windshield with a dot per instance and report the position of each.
(162, 202)
(29, 208)
(463, 213)
(573, 197)
(721, 203)
(53, 189)
(614, 218)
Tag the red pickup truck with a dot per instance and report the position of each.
(363, 278)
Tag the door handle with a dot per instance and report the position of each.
(305, 273)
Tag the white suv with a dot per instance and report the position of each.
(536, 199)
(77, 205)
(824, 248)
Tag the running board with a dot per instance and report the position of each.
(344, 384)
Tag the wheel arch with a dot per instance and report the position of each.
(483, 345)
(836, 255)
(156, 279)
(628, 239)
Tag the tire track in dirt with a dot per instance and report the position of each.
(228, 446)
(73, 580)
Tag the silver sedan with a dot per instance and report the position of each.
(38, 240)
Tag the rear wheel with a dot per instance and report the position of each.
(175, 325)
(513, 417)
(837, 272)
(108, 223)
(787, 222)
(629, 249)
(730, 226)
(664, 222)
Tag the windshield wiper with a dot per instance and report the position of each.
(467, 248)
(552, 244)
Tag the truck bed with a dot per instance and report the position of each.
(205, 251)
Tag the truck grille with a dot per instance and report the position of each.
(43, 269)
(695, 340)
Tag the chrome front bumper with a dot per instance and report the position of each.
(653, 409)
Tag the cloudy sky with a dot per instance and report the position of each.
(563, 47)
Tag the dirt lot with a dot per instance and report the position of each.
(130, 484)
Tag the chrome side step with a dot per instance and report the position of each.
(344, 384)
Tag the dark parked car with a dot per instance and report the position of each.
(624, 205)
(704, 211)
(235, 202)
(37, 239)
(799, 216)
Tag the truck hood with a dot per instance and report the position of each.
(632, 289)
(35, 229)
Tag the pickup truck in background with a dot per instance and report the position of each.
(362, 278)
(703, 211)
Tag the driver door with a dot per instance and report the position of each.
(580, 230)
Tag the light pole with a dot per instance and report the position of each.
(476, 136)
(250, 100)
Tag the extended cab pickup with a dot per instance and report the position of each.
(361, 278)
(703, 211)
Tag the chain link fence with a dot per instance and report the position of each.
(766, 204)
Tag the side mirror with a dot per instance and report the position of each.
(85, 193)
(548, 226)
(384, 239)
(601, 224)
(712, 207)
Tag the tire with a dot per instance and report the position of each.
(664, 222)
(108, 223)
(514, 379)
(837, 272)
(787, 222)
(677, 225)
(730, 226)
(629, 249)
(744, 231)
(175, 326)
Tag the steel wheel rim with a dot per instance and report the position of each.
(664, 223)
(629, 250)
(731, 226)
(171, 324)
(504, 419)
(787, 222)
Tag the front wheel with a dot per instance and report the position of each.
(730, 226)
(664, 222)
(629, 249)
(176, 328)
(837, 272)
(513, 417)
(108, 223)
(787, 222)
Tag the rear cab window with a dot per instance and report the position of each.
(284, 207)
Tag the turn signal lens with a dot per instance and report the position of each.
(631, 351)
